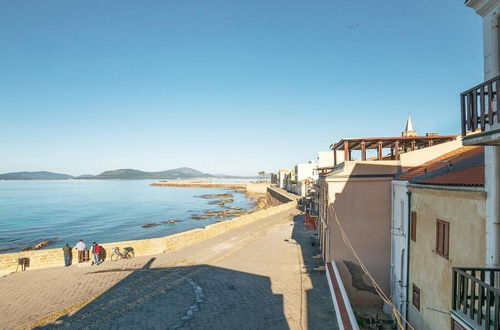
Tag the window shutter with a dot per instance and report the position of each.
(442, 238)
(413, 228)
(416, 296)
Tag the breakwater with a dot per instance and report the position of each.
(54, 257)
(251, 188)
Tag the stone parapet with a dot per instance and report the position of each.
(54, 257)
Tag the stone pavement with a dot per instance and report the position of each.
(258, 276)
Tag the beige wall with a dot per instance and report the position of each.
(465, 210)
(54, 257)
(360, 196)
(417, 157)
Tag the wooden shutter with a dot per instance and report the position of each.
(443, 238)
(413, 230)
(456, 326)
(416, 296)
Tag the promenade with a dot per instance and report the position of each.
(258, 276)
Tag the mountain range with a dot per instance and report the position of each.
(123, 174)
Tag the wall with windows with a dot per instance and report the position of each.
(458, 240)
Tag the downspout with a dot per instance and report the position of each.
(408, 257)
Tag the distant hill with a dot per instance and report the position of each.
(120, 174)
(42, 175)
(130, 174)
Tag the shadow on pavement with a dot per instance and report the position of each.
(320, 309)
(191, 297)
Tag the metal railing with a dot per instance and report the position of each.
(476, 295)
(479, 106)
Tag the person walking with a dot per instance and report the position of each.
(96, 250)
(80, 247)
(67, 255)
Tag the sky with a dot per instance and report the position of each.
(223, 86)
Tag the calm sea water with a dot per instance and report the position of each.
(95, 210)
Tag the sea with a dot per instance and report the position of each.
(65, 211)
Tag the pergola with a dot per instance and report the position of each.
(397, 145)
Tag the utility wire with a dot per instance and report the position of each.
(380, 292)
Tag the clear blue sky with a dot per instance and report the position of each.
(223, 86)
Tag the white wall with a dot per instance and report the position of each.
(490, 12)
(326, 158)
(282, 178)
(420, 156)
(399, 240)
(306, 171)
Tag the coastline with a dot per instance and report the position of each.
(108, 211)
(47, 258)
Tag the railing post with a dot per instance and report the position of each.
(490, 103)
(469, 111)
(466, 284)
(481, 298)
(496, 323)
(454, 290)
(497, 95)
(462, 107)
(488, 309)
(473, 296)
(474, 110)
(481, 107)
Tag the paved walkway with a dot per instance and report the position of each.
(258, 276)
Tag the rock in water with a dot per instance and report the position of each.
(199, 217)
(221, 202)
(38, 246)
(148, 225)
(227, 195)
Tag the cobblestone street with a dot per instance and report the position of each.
(258, 276)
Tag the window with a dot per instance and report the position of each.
(416, 297)
(442, 238)
(456, 326)
(413, 230)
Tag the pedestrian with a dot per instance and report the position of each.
(80, 247)
(96, 251)
(67, 255)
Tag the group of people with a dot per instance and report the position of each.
(82, 250)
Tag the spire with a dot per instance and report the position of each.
(409, 124)
(409, 130)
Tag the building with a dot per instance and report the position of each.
(409, 130)
(357, 193)
(283, 177)
(447, 206)
(449, 188)
(306, 176)
(475, 294)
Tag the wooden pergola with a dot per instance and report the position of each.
(397, 145)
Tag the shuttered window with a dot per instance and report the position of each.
(416, 297)
(413, 230)
(443, 238)
(456, 326)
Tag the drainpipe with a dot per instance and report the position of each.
(408, 226)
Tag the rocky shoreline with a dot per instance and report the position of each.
(260, 201)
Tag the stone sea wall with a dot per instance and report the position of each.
(54, 257)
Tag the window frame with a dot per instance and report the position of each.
(443, 238)
(415, 299)
(413, 226)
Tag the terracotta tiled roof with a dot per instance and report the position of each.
(442, 161)
(470, 176)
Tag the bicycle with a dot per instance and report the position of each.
(127, 253)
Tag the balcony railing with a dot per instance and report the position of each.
(475, 296)
(479, 106)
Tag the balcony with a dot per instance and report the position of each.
(476, 298)
(480, 111)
